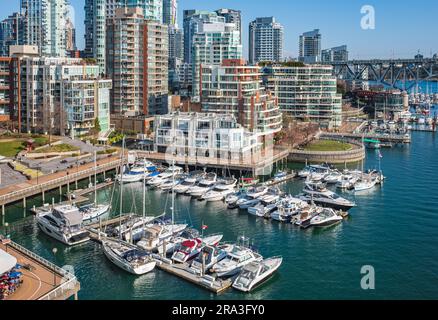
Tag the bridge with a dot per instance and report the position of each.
(401, 74)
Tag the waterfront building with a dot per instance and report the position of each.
(236, 88)
(265, 40)
(192, 22)
(310, 47)
(213, 43)
(210, 135)
(336, 54)
(175, 45)
(44, 25)
(11, 33)
(59, 95)
(232, 16)
(70, 36)
(306, 92)
(152, 9)
(6, 89)
(170, 12)
(137, 61)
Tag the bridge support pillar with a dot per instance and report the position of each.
(68, 187)
(24, 202)
(3, 210)
(60, 190)
(104, 175)
(44, 198)
(76, 183)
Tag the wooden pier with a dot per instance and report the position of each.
(287, 178)
(402, 139)
(42, 280)
(209, 283)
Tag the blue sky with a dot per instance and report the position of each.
(402, 27)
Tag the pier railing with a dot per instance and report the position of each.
(55, 182)
(69, 280)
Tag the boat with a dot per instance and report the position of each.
(333, 177)
(272, 195)
(287, 208)
(255, 192)
(347, 181)
(164, 176)
(93, 211)
(203, 186)
(209, 256)
(263, 209)
(315, 172)
(172, 183)
(220, 190)
(255, 273)
(170, 245)
(63, 223)
(235, 260)
(320, 195)
(247, 202)
(280, 176)
(189, 182)
(302, 219)
(128, 257)
(231, 199)
(189, 249)
(327, 217)
(153, 236)
(365, 183)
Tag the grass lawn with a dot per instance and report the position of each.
(11, 148)
(328, 145)
(58, 148)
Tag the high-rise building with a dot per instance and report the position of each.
(310, 47)
(233, 87)
(70, 36)
(10, 33)
(176, 41)
(59, 95)
(152, 9)
(6, 89)
(336, 54)
(232, 16)
(193, 20)
(137, 61)
(213, 43)
(44, 23)
(265, 40)
(307, 93)
(170, 12)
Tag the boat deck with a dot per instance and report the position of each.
(217, 286)
(41, 283)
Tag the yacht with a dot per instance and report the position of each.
(164, 176)
(231, 199)
(203, 186)
(320, 195)
(129, 228)
(263, 209)
(220, 191)
(236, 259)
(172, 183)
(255, 192)
(280, 177)
(92, 212)
(189, 249)
(209, 256)
(302, 219)
(128, 257)
(247, 202)
(153, 236)
(287, 208)
(365, 183)
(171, 244)
(272, 195)
(347, 181)
(333, 177)
(63, 223)
(189, 182)
(327, 217)
(255, 273)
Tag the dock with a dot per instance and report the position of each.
(287, 178)
(209, 283)
(42, 280)
(394, 138)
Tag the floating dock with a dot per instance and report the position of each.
(207, 282)
(287, 178)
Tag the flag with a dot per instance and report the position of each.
(380, 155)
(204, 227)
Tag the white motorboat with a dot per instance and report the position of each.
(172, 244)
(209, 256)
(236, 259)
(287, 208)
(319, 194)
(272, 195)
(302, 219)
(93, 212)
(63, 223)
(164, 176)
(255, 192)
(327, 217)
(365, 183)
(255, 273)
(231, 199)
(128, 257)
(280, 176)
(333, 177)
(131, 227)
(152, 236)
(247, 202)
(263, 209)
(220, 190)
(172, 183)
(203, 186)
(189, 182)
(304, 173)
(189, 249)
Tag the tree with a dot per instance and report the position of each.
(97, 127)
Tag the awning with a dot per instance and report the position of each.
(7, 262)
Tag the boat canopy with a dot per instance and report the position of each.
(73, 217)
(7, 262)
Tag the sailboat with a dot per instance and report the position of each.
(94, 211)
(123, 254)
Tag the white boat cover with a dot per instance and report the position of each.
(7, 262)
(73, 217)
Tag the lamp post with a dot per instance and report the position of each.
(54, 250)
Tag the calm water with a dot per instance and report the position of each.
(394, 228)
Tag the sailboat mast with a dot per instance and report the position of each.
(95, 178)
(173, 192)
(121, 187)
(144, 192)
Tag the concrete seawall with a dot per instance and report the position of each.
(334, 157)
